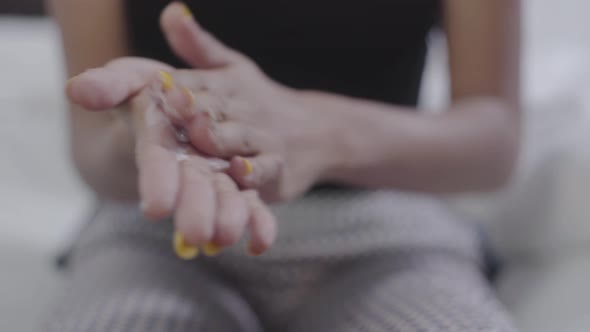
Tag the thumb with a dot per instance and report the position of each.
(192, 43)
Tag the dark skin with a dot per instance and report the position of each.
(471, 146)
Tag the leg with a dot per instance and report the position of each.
(125, 278)
(127, 291)
(416, 292)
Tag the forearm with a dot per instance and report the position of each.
(102, 149)
(472, 146)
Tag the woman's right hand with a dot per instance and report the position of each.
(209, 209)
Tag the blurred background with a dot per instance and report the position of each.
(540, 224)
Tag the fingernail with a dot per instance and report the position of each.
(185, 10)
(248, 166)
(183, 250)
(71, 79)
(218, 165)
(190, 95)
(211, 249)
(166, 80)
(69, 82)
(251, 250)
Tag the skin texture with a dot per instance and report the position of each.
(234, 111)
(133, 152)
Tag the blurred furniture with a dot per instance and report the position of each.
(540, 224)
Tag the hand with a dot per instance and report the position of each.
(209, 208)
(230, 109)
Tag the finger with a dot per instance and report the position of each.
(228, 139)
(195, 211)
(262, 225)
(106, 87)
(204, 122)
(232, 212)
(215, 165)
(156, 159)
(191, 42)
(188, 104)
(256, 172)
(204, 80)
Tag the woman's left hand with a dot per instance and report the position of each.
(230, 109)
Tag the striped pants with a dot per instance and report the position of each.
(377, 267)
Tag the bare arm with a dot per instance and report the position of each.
(472, 146)
(93, 33)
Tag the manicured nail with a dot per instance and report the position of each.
(69, 82)
(71, 79)
(183, 250)
(166, 80)
(185, 10)
(190, 95)
(218, 165)
(211, 249)
(251, 250)
(248, 166)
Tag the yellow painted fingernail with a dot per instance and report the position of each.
(185, 10)
(183, 250)
(249, 167)
(211, 249)
(167, 80)
(190, 95)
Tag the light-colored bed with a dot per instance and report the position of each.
(540, 224)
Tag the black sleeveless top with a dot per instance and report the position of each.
(372, 49)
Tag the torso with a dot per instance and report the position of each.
(374, 49)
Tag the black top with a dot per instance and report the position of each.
(373, 49)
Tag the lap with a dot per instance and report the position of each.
(404, 292)
(418, 285)
(127, 290)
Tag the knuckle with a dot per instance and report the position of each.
(278, 162)
(219, 142)
(247, 141)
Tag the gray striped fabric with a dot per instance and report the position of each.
(366, 261)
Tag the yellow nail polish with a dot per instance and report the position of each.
(186, 11)
(183, 250)
(211, 249)
(190, 95)
(249, 167)
(167, 80)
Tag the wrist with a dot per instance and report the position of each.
(333, 134)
